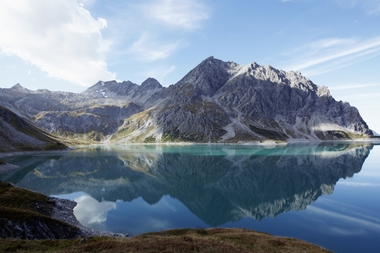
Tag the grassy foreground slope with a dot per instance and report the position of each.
(183, 240)
(25, 214)
(20, 205)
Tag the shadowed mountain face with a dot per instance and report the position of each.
(17, 134)
(215, 102)
(217, 183)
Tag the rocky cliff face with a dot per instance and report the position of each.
(215, 102)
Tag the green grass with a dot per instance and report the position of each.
(339, 134)
(270, 134)
(17, 198)
(150, 139)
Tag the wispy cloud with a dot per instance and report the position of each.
(334, 53)
(59, 37)
(358, 184)
(370, 224)
(345, 232)
(364, 97)
(148, 49)
(353, 86)
(162, 26)
(152, 31)
(184, 14)
(372, 7)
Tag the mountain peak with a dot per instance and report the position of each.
(18, 87)
(212, 60)
(210, 75)
(151, 83)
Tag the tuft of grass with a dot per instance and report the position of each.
(270, 134)
(150, 139)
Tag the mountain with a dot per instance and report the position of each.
(17, 134)
(225, 102)
(125, 90)
(215, 102)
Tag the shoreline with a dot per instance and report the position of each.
(14, 153)
(264, 144)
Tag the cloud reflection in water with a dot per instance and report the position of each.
(92, 213)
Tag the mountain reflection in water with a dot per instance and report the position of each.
(216, 183)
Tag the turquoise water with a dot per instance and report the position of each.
(327, 194)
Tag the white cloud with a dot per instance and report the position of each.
(60, 37)
(330, 54)
(186, 14)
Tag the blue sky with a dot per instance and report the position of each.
(69, 45)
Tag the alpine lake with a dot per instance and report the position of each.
(327, 193)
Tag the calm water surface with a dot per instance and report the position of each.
(327, 194)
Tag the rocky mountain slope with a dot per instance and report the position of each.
(17, 134)
(215, 102)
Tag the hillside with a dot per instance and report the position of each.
(17, 134)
